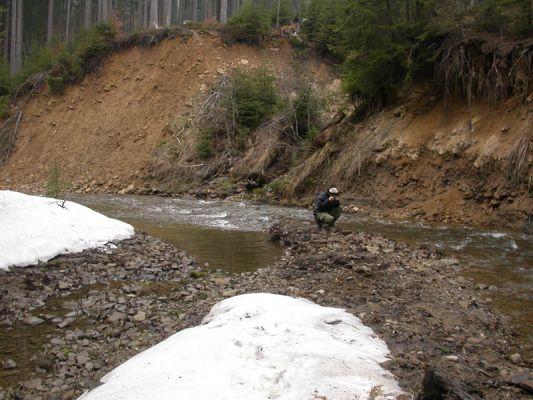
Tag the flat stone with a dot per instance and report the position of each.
(31, 320)
(140, 316)
(33, 384)
(116, 316)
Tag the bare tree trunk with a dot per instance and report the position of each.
(145, 14)
(223, 11)
(167, 7)
(13, 66)
(105, 10)
(154, 14)
(87, 14)
(50, 31)
(67, 29)
(195, 10)
(99, 16)
(277, 14)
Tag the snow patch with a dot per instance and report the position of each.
(34, 229)
(258, 347)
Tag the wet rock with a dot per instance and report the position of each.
(66, 322)
(9, 364)
(436, 385)
(31, 320)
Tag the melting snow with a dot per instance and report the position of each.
(34, 229)
(259, 347)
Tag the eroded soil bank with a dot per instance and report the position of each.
(96, 309)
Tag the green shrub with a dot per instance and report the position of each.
(204, 147)
(6, 81)
(85, 54)
(249, 98)
(55, 185)
(41, 59)
(4, 106)
(302, 111)
(56, 84)
(250, 24)
(284, 16)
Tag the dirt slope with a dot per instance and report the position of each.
(428, 159)
(431, 160)
(103, 132)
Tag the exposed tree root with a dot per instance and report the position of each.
(473, 66)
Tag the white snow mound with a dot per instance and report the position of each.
(34, 229)
(259, 347)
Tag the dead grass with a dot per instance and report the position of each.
(518, 164)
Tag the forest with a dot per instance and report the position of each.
(380, 45)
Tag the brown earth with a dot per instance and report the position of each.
(102, 133)
(128, 129)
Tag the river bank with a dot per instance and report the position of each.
(94, 310)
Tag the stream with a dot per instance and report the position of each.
(231, 235)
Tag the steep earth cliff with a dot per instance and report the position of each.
(430, 158)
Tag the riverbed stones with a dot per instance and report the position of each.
(131, 296)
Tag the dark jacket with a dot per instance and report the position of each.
(323, 205)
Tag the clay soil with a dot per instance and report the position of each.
(103, 132)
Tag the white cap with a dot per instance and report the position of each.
(333, 191)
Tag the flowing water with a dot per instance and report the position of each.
(231, 235)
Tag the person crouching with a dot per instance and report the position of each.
(327, 208)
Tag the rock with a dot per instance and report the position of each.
(244, 61)
(89, 366)
(63, 285)
(82, 359)
(451, 358)
(140, 316)
(116, 316)
(66, 322)
(31, 320)
(437, 385)
(45, 363)
(518, 377)
(33, 384)
(9, 364)
(220, 71)
(516, 358)
(527, 385)
(70, 395)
